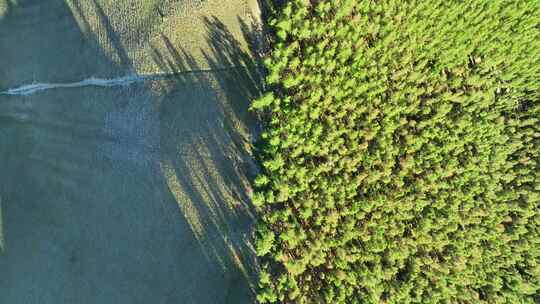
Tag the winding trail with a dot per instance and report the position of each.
(30, 89)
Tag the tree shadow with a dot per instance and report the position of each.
(213, 103)
(112, 40)
(128, 194)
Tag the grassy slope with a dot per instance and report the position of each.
(134, 194)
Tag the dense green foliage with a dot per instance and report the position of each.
(401, 154)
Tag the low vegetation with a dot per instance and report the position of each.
(401, 153)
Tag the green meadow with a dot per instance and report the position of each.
(130, 193)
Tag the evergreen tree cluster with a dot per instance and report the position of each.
(401, 156)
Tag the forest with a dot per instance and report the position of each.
(401, 153)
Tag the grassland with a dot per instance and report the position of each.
(131, 194)
(401, 153)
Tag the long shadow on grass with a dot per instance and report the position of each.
(128, 194)
(209, 167)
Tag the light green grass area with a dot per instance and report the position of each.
(402, 153)
(147, 29)
(111, 38)
(133, 194)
